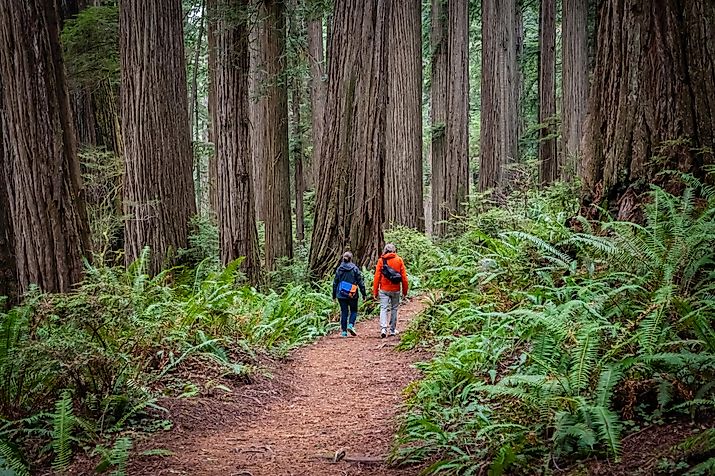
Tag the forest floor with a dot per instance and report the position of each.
(337, 394)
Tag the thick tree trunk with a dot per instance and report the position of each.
(44, 187)
(652, 103)
(575, 83)
(499, 111)
(274, 122)
(450, 111)
(158, 185)
(316, 58)
(229, 58)
(548, 161)
(8, 266)
(349, 203)
(298, 161)
(403, 165)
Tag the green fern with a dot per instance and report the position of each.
(11, 459)
(62, 422)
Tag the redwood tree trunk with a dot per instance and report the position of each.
(575, 83)
(548, 162)
(403, 165)
(316, 57)
(229, 58)
(256, 97)
(652, 102)
(499, 117)
(158, 184)
(274, 122)
(298, 161)
(450, 111)
(8, 267)
(349, 203)
(44, 189)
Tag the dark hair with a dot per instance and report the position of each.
(347, 256)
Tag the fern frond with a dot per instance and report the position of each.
(609, 428)
(62, 422)
(11, 459)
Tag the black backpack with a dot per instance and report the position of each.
(390, 273)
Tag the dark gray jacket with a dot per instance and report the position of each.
(350, 273)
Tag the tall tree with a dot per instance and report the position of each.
(548, 161)
(229, 77)
(349, 202)
(256, 96)
(299, 180)
(403, 167)
(499, 108)
(655, 63)
(158, 184)
(274, 130)
(450, 110)
(575, 82)
(316, 57)
(44, 188)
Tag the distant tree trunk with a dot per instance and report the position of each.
(317, 91)
(229, 58)
(194, 106)
(403, 165)
(450, 111)
(213, 171)
(349, 202)
(276, 162)
(499, 121)
(652, 102)
(8, 266)
(44, 187)
(256, 95)
(548, 161)
(158, 185)
(575, 83)
(298, 161)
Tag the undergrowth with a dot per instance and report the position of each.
(554, 337)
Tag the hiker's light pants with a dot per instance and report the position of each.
(389, 302)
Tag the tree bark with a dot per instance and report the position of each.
(499, 111)
(652, 102)
(276, 162)
(44, 188)
(403, 165)
(298, 161)
(548, 160)
(316, 57)
(450, 111)
(8, 266)
(349, 204)
(229, 57)
(256, 92)
(575, 83)
(158, 185)
(194, 106)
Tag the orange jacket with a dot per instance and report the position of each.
(381, 282)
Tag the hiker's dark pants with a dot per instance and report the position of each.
(347, 306)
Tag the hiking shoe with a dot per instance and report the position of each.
(383, 333)
(343, 334)
(351, 330)
(393, 332)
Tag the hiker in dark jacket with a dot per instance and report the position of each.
(348, 280)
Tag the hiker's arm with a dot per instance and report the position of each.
(405, 284)
(376, 279)
(361, 283)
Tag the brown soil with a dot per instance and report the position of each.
(338, 394)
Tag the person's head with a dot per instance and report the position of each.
(347, 257)
(389, 248)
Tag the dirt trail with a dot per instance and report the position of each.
(338, 393)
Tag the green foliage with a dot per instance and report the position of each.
(544, 327)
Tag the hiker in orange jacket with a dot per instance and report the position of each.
(390, 275)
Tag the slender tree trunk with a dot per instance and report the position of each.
(8, 266)
(229, 57)
(349, 203)
(256, 92)
(317, 91)
(44, 188)
(158, 186)
(499, 121)
(548, 161)
(194, 105)
(403, 165)
(213, 170)
(276, 162)
(655, 62)
(298, 161)
(575, 83)
(450, 111)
